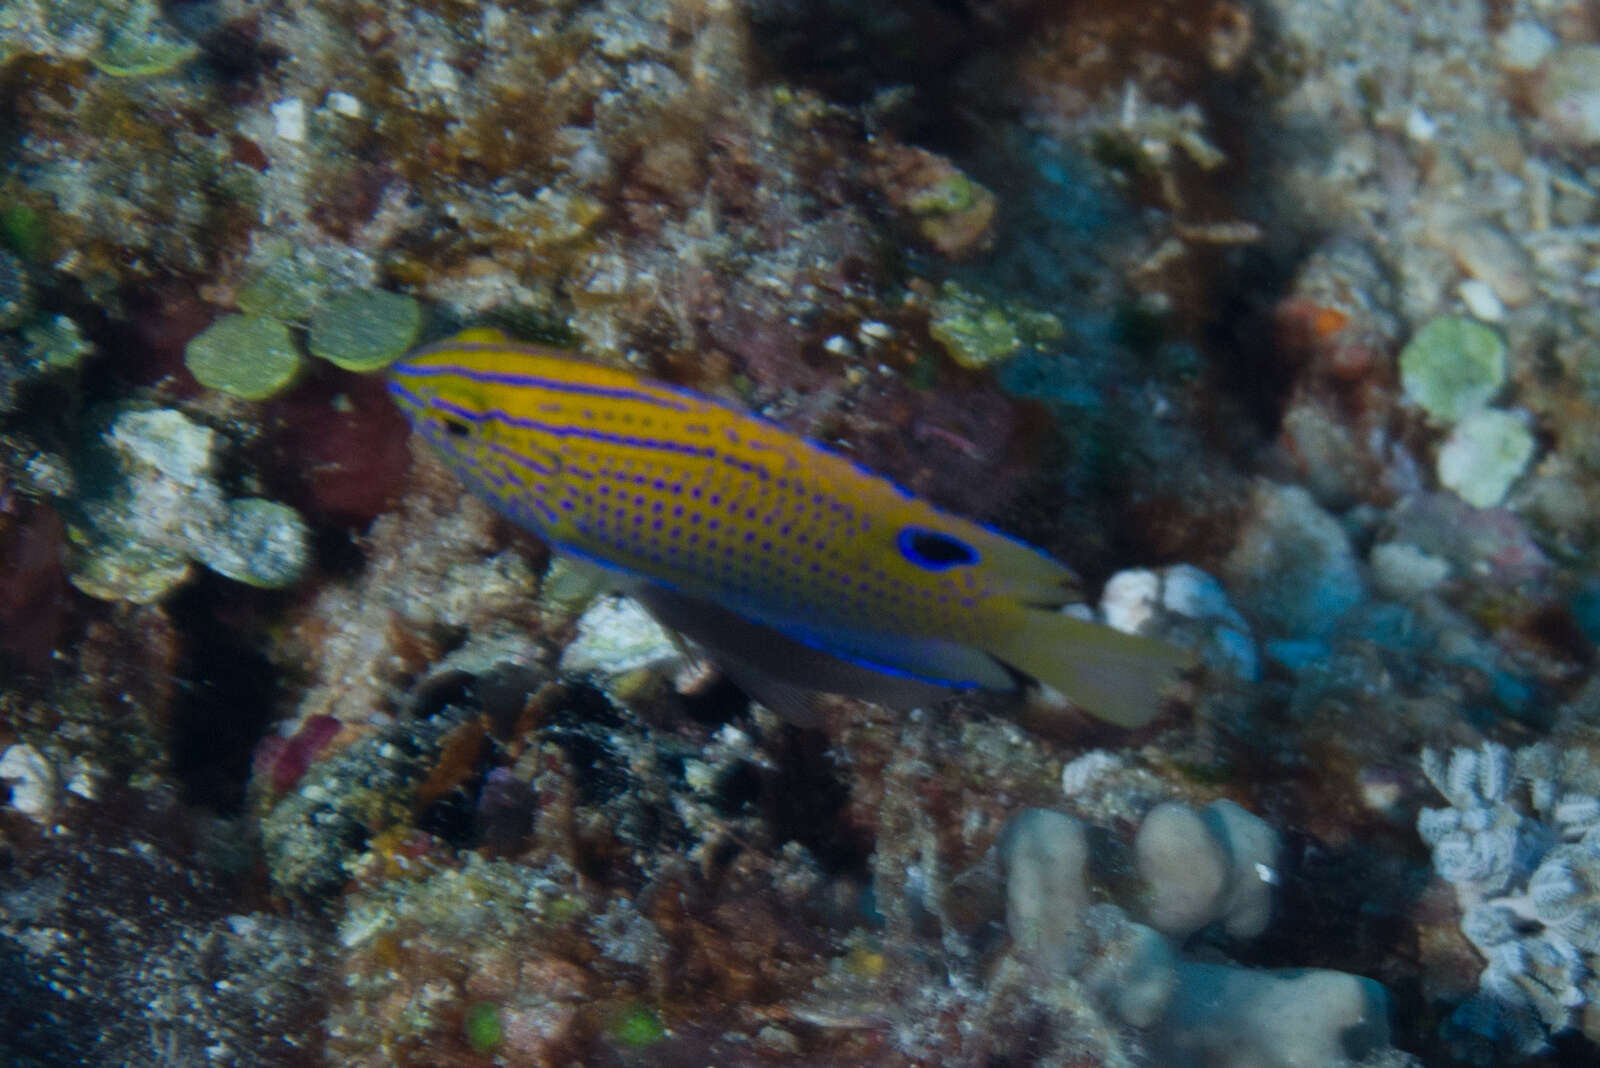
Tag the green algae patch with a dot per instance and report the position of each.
(976, 332)
(365, 329)
(1452, 367)
(949, 195)
(637, 1026)
(23, 231)
(137, 43)
(482, 1027)
(976, 339)
(245, 355)
(141, 54)
(137, 574)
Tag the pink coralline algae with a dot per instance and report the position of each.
(283, 760)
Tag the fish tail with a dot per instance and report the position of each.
(1116, 676)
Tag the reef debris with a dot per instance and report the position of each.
(152, 506)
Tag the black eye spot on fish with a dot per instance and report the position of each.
(456, 428)
(932, 550)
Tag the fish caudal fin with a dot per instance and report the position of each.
(1113, 675)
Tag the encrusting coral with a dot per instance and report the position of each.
(1217, 866)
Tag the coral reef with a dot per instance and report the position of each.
(1275, 320)
(1206, 867)
(1293, 565)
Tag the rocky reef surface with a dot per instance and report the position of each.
(1279, 320)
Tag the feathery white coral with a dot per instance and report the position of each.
(1526, 868)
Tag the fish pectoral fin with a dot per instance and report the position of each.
(931, 660)
(484, 335)
(1118, 677)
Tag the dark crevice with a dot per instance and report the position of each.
(850, 51)
(808, 806)
(336, 551)
(236, 57)
(738, 788)
(720, 703)
(1254, 378)
(225, 701)
(579, 726)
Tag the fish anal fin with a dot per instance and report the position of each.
(774, 667)
(796, 704)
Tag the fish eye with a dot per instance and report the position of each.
(456, 428)
(933, 550)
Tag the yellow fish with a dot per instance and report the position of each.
(797, 569)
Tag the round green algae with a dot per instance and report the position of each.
(112, 570)
(975, 339)
(244, 355)
(365, 329)
(1452, 367)
(482, 1026)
